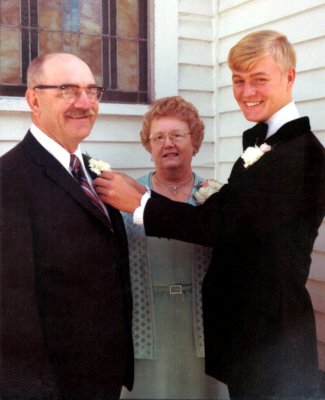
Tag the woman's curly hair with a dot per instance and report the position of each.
(177, 107)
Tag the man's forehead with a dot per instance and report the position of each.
(262, 65)
(62, 61)
(68, 68)
(250, 73)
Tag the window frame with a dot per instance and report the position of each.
(29, 50)
(162, 46)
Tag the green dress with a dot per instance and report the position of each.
(167, 328)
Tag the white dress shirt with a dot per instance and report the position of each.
(281, 117)
(57, 151)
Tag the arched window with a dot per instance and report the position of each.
(110, 35)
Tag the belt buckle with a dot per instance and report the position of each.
(175, 289)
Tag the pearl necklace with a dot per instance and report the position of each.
(172, 187)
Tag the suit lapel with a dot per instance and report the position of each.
(287, 132)
(57, 173)
(114, 214)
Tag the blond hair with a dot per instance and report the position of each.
(257, 45)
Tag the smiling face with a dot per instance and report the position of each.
(67, 124)
(262, 90)
(170, 156)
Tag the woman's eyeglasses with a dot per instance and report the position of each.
(174, 136)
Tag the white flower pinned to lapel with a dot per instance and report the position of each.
(98, 166)
(252, 154)
(206, 190)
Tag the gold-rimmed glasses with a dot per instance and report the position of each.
(174, 136)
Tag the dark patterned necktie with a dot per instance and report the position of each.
(76, 170)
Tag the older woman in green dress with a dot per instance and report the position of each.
(166, 274)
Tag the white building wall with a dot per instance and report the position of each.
(197, 72)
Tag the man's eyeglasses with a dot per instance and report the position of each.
(174, 136)
(71, 93)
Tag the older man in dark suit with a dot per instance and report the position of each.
(258, 317)
(65, 315)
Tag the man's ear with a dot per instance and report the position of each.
(32, 100)
(291, 76)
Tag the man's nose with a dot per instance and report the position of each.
(249, 89)
(83, 100)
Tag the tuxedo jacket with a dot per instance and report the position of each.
(258, 317)
(65, 315)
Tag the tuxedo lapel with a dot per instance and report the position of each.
(289, 131)
(256, 135)
(251, 137)
(57, 173)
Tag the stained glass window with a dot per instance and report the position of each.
(110, 35)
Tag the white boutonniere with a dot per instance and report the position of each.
(207, 188)
(98, 166)
(252, 154)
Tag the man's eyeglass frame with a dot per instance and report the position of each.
(94, 97)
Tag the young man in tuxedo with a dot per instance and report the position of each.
(65, 315)
(258, 318)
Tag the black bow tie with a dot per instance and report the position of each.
(255, 136)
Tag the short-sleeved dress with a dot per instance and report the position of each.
(166, 278)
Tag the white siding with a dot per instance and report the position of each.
(197, 71)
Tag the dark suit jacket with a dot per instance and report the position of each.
(65, 315)
(258, 317)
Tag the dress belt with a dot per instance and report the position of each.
(176, 288)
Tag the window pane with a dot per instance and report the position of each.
(50, 14)
(127, 18)
(90, 51)
(9, 12)
(10, 55)
(50, 42)
(71, 15)
(127, 65)
(90, 12)
(71, 42)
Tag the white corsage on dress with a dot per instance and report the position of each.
(207, 188)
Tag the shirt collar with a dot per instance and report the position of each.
(54, 148)
(281, 117)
